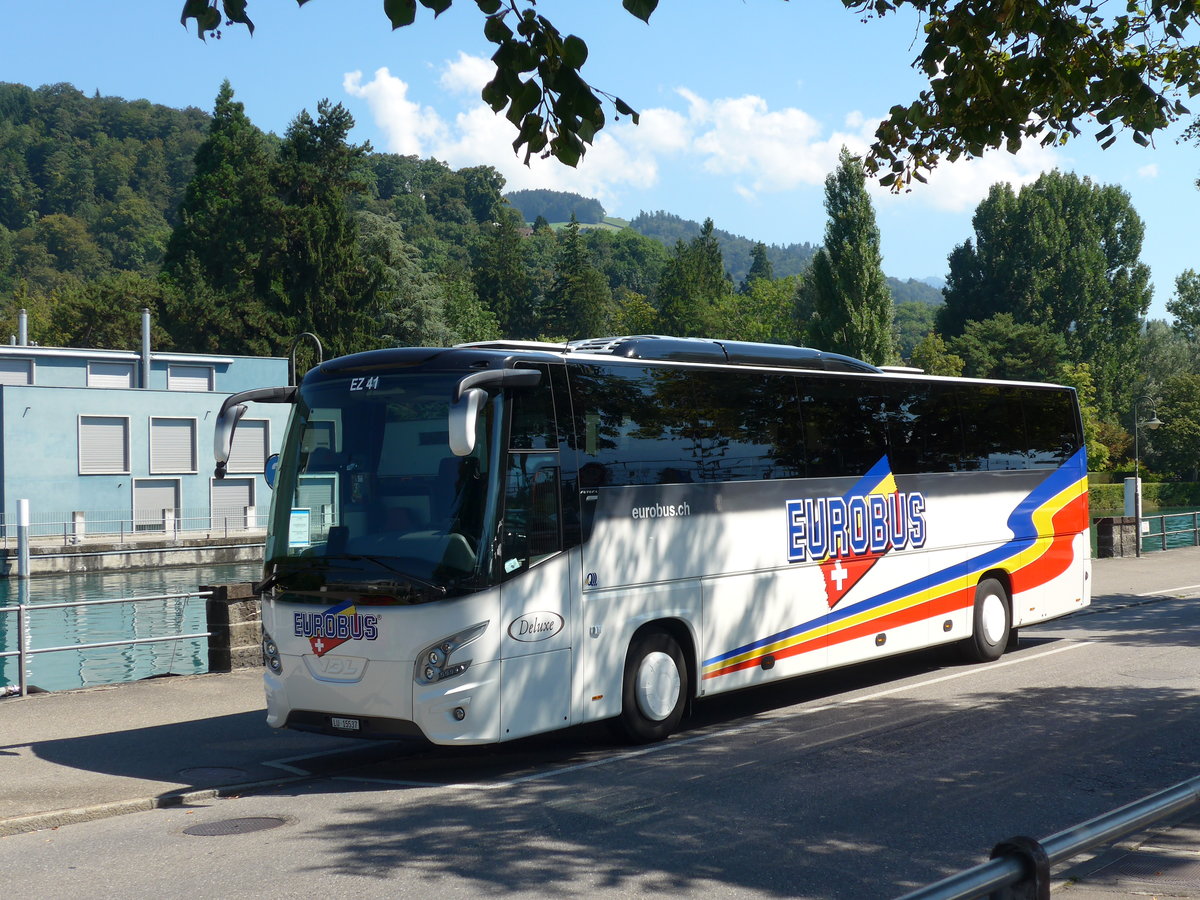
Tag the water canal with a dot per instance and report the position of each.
(108, 665)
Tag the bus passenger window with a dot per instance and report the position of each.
(533, 425)
(532, 528)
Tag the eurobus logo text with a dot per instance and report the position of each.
(857, 525)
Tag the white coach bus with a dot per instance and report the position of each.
(484, 542)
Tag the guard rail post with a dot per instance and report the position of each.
(1035, 882)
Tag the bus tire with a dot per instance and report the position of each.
(654, 689)
(991, 622)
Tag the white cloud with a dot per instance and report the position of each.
(410, 127)
(467, 75)
(1148, 171)
(739, 141)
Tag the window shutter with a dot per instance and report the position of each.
(189, 378)
(103, 445)
(110, 374)
(249, 450)
(16, 371)
(172, 446)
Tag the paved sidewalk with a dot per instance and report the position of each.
(71, 756)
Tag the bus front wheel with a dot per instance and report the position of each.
(991, 622)
(654, 690)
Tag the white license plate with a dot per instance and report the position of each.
(344, 724)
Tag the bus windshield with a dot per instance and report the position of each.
(371, 503)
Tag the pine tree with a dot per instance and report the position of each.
(323, 285)
(578, 304)
(219, 254)
(852, 303)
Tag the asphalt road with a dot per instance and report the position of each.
(860, 783)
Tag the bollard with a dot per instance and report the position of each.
(22, 538)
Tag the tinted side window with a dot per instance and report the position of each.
(924, 428)
(843, 425)
(1051, 426)
(635, 425)
(748, 425)
(533, 417)
(993, 428)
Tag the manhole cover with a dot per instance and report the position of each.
(212, 774)
(234, 826)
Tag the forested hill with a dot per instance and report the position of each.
(238, 240)
(791, 259)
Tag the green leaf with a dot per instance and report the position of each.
(193, 9)
(496, 31)
(640, 8)
(438, 6)
(209, 20)
(400, 12)
(488, 7)
(574, 52)
(235, 11)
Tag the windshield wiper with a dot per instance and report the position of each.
(411, 579)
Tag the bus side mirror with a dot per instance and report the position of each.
(464, 413)
(226, 424)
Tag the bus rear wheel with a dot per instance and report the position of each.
(654, 689)
(991, 622)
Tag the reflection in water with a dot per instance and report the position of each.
(114, 622)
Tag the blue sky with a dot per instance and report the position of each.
(744, 103)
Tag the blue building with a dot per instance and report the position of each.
(101, 441)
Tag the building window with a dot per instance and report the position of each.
(16, 371)
(172, 446)
(156, 504)
(103, 445)
(190, 378)
(251, 443)
(110, 374)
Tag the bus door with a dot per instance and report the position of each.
(535, 592)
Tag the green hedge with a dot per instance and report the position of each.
(1155, 495)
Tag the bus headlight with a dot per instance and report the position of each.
(436, 662)
(271, 653)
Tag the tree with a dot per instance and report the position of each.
(1177, 442)
(412, 304)
(578, 304)
(1063, 253)
(932, 356)
(762, 312)
(1186, 305)
(320, 282)
(1001, 347)
(760, 267)
(501, 282)
(692, 284)
(912, 321)
(1079, 376)
(851, 302)
(1000, 72)
(221, 253)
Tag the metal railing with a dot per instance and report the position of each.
(1170, 530)
(24, 632)
(1020, 866)
(124, 525)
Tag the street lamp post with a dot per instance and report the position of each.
(1151, 423)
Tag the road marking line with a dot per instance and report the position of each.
(756, 722)
(1186, 587)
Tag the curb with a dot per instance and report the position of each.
(59, 817)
